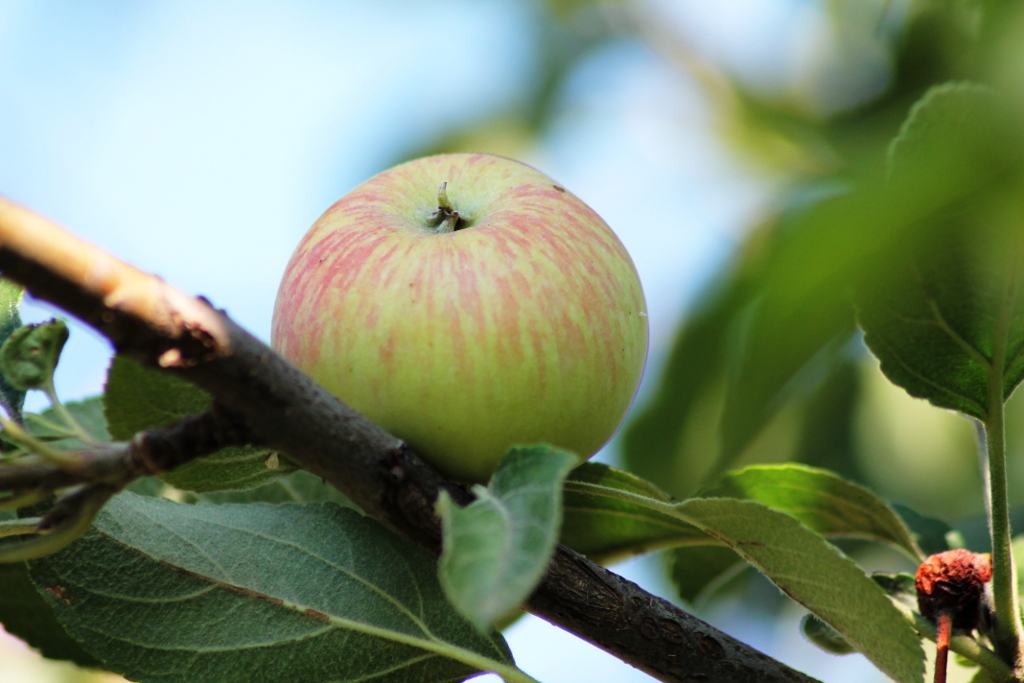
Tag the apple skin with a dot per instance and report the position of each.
(528, 325)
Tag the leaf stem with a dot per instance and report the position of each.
(1004, 574)
(20, 527)
(19, 435)
(69, 420)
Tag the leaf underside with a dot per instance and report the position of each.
(220, 593)
(497, 548)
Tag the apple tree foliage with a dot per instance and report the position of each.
(904, 243)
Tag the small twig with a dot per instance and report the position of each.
(15, 432)
(117, 464)
(68, 521)
(20, 527)
(23, 499)
(105, 469)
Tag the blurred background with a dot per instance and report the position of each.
(200, 140)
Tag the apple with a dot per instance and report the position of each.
(466, 303)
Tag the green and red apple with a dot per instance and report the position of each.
(467, 303)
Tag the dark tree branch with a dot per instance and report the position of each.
(275, 404)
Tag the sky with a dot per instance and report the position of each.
(199, 140)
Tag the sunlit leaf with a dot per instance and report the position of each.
(820, 500)
(948, 320)
(814, 573)
(611, 514)
(221, 593)
(497, 548)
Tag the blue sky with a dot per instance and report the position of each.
(199, 141)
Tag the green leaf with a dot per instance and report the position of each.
(785, 353)
(900, 587)
(814, 573)
(298, 487)
(497, 548)
(820, 500)
(29, 355)
(828, 437)
(25, 614)
(139, 398)
(653, 442)
(48, 426)
(10, 320)
(796, 558)
(606, 528)
(610, 514)
(949, 318)
(171, 593)
(824, 636)
(981, 676)
(698, 570)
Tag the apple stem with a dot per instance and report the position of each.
(442, 197)
(942, 645)
(446, 218)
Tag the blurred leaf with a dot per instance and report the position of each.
(775, 327)
(827, 439)
(139, 398)
(950, 317)
(651, 442)
(931, 535)
(786, 352)
(698, 570)
(29, 355)
(981, 676)
(824, 636)
(559, 48)
(25, 614)
(497, 548)
(563, 9)
(222, 593)
(899, 587)
(814, 573)
(975, 531)
(10, 320)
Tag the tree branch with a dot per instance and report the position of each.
(278, 406)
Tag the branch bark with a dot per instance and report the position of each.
(156, 324)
